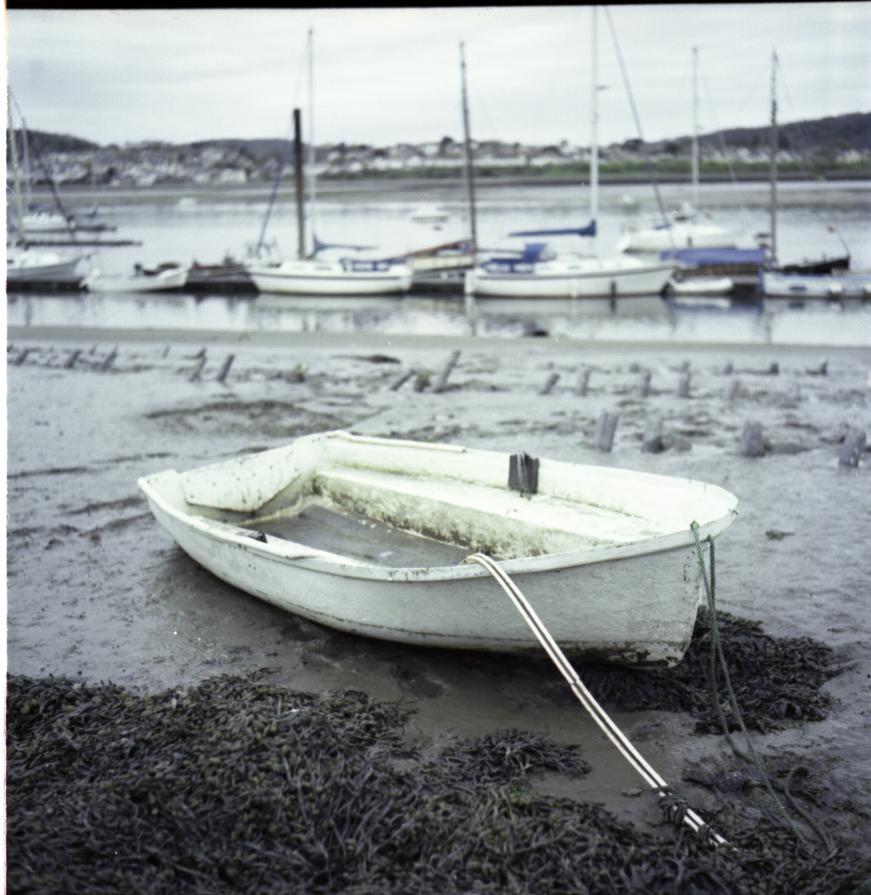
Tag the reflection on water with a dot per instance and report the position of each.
(648, 319)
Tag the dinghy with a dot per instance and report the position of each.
(164, 278)
(370, 536)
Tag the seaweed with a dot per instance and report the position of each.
(777, 681)
(237, 785)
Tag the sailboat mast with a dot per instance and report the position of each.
(19, 212)
(28, 176)
(299, 184)
(594, 129)
(467, 143)
(772, 149)
(311, 137)
(695, 161)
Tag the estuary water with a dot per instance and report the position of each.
(815, 219)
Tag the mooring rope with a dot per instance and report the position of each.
(753, 758)
(674, 807)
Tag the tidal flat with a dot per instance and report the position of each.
(110, 624)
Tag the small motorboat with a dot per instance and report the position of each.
(164, 278)
(839, 284)
(370, 535)
(430, 214)
(691, 285)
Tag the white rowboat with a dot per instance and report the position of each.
(368, 535)
(165, 280)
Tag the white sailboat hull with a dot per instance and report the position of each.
(585, 278)
(26, 265)
(795, 285)
(620, 588)
(677, 236)
(328, 278)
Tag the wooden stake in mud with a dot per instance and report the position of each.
(421, 380)
(195, 376)
(583, 382)
(109, 360)
(732, 389)
(225, 368)
(70, 362)
(22, 357)
(644, 384)
(552, 380)
(442, 381)
(752, 443)
(683, 385)
(605, 431)
(395, 386)
(851, 449)
(652, 442)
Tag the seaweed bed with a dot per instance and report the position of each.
(775, 680)
(238, 785)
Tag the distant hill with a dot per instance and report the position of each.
(42, 141)
(820, 136)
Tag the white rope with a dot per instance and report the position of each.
(596, 712)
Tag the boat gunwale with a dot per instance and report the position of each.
(295, 553)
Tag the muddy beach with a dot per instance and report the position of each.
(98, 593)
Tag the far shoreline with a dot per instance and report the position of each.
(414, 188)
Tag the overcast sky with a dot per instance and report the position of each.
(388, 75)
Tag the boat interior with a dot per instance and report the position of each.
(403, 504)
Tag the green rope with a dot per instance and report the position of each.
(716, 646)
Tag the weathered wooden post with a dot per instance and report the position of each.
(297, 374)
(644, 384)
(728, 369)
(200, 354)
(732, 389)
(583, 382)
(70, 362)
(652, 441)
(22, 357)
(421, 380)
(552, 380)
(752, 442)
(404, 377)
(851, 449)
(166, 351)
(683, 385)
(442, 381)
(774, 369)
(605, 430)
(109, 360)
(225, 368)
(195, 376)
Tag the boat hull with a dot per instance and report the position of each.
(622, 598)
(165, 281)
(677, 236)
(648, 280)
(634, 611)
(46, 266)
(798, 285)
(302, 278)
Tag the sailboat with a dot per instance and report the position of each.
(684, 230)
(315, 273)
(539, 272)
(24, 264)
(797, 281)
(445, 265)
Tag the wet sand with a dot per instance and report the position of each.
(97, 591)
